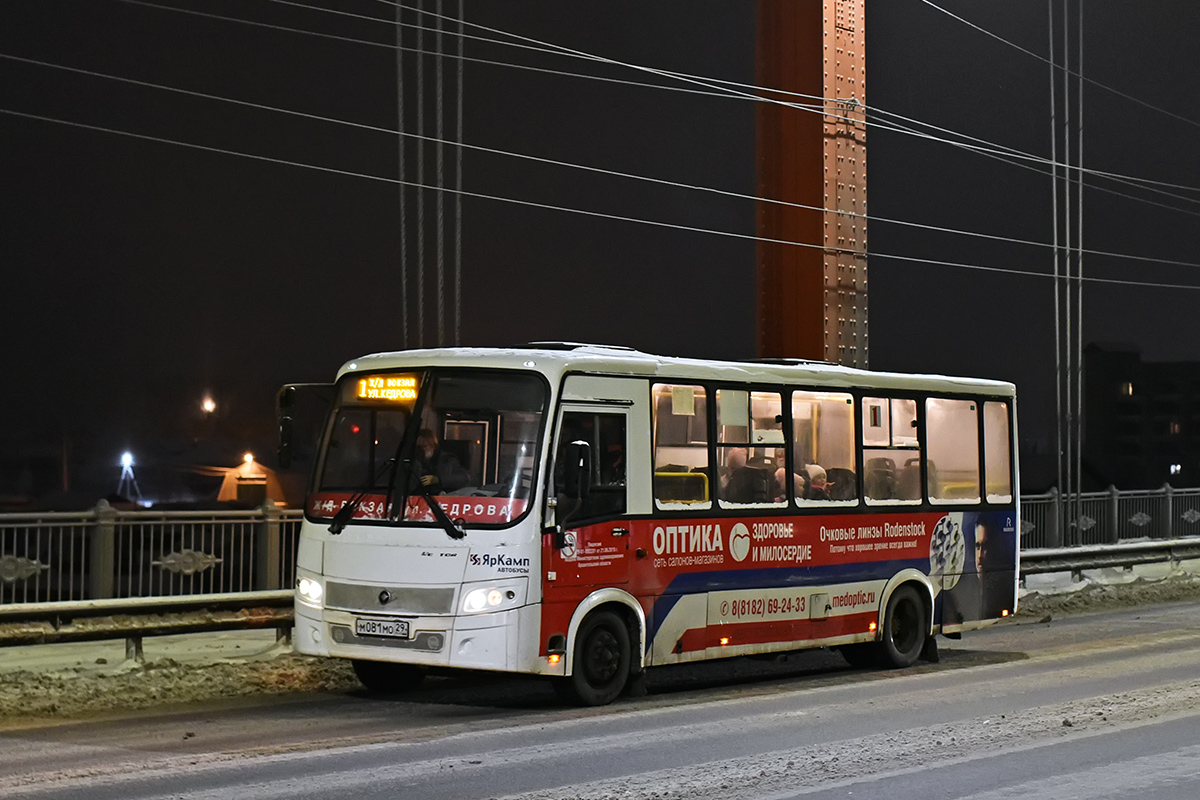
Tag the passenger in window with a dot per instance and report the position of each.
(438, 470)
(818, 482)
(799, 485)
(735, 459)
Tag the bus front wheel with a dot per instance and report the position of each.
(382, 677)
(905, 628)
(601, 666)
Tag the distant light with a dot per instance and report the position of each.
(1127, 389)
(249, 458)
(127, 459)
(1176, 469)
(208, 405)
(356, 429)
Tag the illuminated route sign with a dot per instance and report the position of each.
(393, 388)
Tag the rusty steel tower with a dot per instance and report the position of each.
(812, 300)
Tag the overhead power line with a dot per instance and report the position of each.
(1066, 69)
(714, 86)
(568, 209)
(583, 167)
(709, 82)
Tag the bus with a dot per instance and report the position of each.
(586, 512)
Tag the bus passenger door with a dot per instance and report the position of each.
(594, 532)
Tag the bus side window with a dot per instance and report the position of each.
(952, 428)
(891, 451)
(997, 460)
(605, 435)
(750, 449)
(681, 469)
(823, 451)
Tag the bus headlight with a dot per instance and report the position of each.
(310, 591)
(494, 597)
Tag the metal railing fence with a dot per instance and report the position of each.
(105, 553)
(1053, 520)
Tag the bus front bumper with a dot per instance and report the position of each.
(475, 641)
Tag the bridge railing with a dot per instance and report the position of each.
(104, 553)
(1094, 518)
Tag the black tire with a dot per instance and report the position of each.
(861, 655)
(905, 628)
(382, 677)
(601, 665)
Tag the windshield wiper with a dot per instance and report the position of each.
(402, 475)
(344, 514)
(455, 529)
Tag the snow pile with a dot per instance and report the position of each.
(82, 691)
(1097, 590)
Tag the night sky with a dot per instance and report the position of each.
(140, 275)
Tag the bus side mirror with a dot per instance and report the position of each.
(287, 398)
(577, 471)
(285, 442)
(285, 401)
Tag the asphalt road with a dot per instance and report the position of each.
(1102, 705)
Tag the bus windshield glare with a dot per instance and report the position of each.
(474, 449)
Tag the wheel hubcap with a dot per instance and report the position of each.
(904, 627)
(603, 657)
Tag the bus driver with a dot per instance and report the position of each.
(439, 471)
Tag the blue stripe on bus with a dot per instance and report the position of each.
(772, 578)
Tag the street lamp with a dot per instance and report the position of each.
(208, 405)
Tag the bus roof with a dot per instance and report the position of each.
(556, 359)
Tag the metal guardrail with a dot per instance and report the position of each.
(111, 574)
(1127, 554)
(91, 620)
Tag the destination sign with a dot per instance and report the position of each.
(393, 388)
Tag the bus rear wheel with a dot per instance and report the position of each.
(382, 677)
(905, 628)
(601, 665)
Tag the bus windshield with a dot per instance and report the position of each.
(473, 450)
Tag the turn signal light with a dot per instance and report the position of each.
(724, 640)
(554, 659)
(872, 627)
(1004, 613)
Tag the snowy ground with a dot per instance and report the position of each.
(79, 680)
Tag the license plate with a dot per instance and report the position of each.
(394, 628)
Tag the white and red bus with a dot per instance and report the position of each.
(586, 512)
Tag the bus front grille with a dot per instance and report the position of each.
(389, 599)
